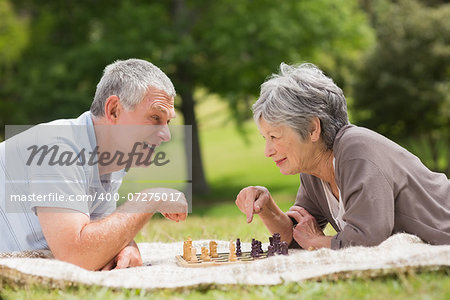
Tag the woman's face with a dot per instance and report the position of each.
(286, 148)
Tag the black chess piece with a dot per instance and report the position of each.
(270, 240)
(270, 251)
(253, 252)
(284, 248)
(238, 247)
(255, 248)
(260, 249)
(276, 242)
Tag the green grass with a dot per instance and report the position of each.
(411, 286)
(232, 163)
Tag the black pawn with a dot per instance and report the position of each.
(270, 251)
(260, 249)
(238, 247)
(270, 240)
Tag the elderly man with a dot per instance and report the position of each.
(85, 158)
(366, 186)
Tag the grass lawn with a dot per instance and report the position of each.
(426, 285)
(232, 163)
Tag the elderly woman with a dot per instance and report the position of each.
(366, 186)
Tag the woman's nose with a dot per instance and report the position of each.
(269, 149)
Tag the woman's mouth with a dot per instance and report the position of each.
(279, 162)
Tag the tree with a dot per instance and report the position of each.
(403, 89)
(227, 47)
(13, 39)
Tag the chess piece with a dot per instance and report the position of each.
(270, 251)
(213, 249)
(255, 249)
(238, 247)
(194, 255)
(284, 248)
(204, 256)
(270, 240)
(232, 256)
(260, 249)
(277, 243)
(187, 245)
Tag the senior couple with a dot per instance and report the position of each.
(366, 186)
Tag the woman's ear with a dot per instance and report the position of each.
(315, 129)
(113, 109)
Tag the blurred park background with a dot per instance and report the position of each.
(391, 58)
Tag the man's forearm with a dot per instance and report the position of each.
(95, 243)
(100, 241)
(277, 221)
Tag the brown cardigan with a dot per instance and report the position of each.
(385, 190)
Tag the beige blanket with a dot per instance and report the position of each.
(398, 253)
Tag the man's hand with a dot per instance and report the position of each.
(307, 232)
(127, 257)
(252, 200)
(176, 208)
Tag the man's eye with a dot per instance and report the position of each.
(155, 117)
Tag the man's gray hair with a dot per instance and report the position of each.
(298, 94)
(129, 80)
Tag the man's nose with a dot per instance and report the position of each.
(164, 133)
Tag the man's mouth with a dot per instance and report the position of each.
(148, 145)
(280, 161)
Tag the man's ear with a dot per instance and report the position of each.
(315, 129)
(113, 108)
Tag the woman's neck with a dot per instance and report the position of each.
(324, 169)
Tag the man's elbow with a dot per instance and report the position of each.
(79, 257)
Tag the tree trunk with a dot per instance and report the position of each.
(199, 184)
(183, 20)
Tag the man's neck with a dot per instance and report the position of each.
(102, 130)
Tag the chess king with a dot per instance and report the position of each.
(130, 113)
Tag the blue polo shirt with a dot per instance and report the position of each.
(51, 165)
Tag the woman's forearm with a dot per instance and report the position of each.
(277, 221)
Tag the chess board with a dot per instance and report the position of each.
(218, 261)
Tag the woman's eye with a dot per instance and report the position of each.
(155, 117)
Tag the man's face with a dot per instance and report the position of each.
(146, 127)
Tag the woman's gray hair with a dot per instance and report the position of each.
(129, 80)
(298, 94)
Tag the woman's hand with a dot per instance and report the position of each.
(307, 232)
(252, 200)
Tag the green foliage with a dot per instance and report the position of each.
(403, 89)
(229, 47)
(13, 35)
